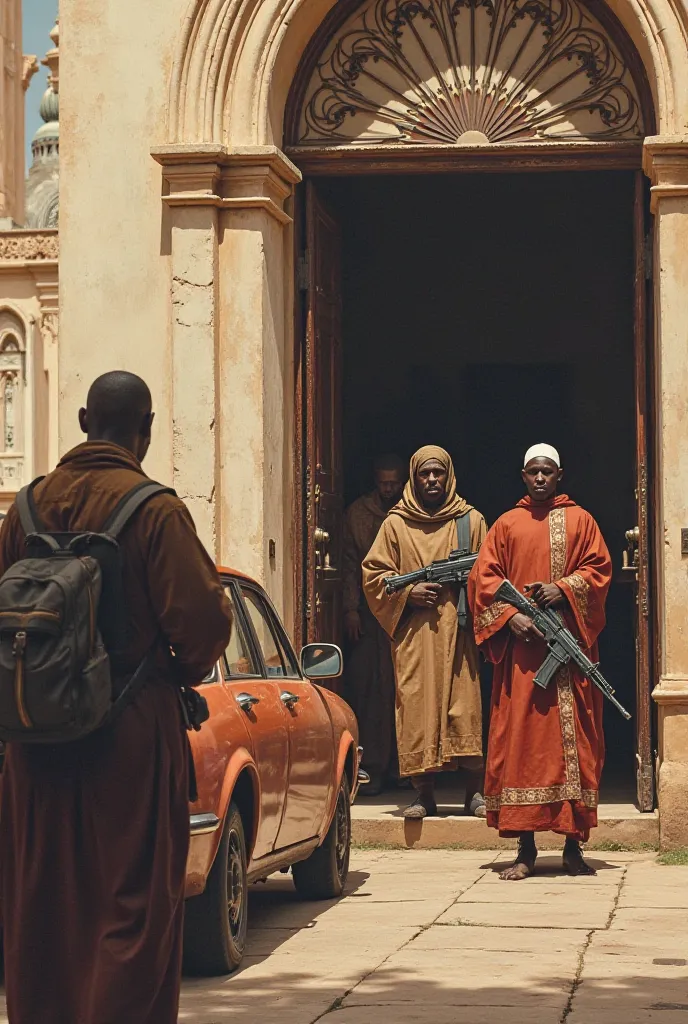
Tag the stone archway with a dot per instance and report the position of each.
(228, 184)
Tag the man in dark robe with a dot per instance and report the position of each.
(369, 671)
(546, 747)
(94, 834)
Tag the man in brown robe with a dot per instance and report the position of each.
(369, 671)
(94, 834)
(438, 709)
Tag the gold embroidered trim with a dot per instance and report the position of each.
(540, 795)
(491, 614)
(430, 757)
(568, 733)
(557, 543)
(580, 590)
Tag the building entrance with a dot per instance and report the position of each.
(483, 313)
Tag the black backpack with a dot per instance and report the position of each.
(63, 625)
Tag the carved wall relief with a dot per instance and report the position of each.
(470, 72)
(12, 401)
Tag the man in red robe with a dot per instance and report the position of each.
(546, 747)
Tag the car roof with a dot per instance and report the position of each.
(224, 571)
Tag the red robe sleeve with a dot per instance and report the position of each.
(589, 576)
(490, 616)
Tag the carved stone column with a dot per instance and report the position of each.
(666, 163)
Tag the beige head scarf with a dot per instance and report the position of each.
(411, 507)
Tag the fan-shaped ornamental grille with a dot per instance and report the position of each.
(470, 71)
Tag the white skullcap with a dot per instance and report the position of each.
(542, 451)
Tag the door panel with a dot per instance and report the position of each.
(639, 537)
(324, 487)
(266, 723)
(311, 763)
(311, 753)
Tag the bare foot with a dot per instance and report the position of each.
(523, 866)
(573, 860)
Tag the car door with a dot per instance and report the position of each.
(265, 718)
(311, 750)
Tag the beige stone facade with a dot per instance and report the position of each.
(180, 265)
(28, 268)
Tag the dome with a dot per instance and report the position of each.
(50, 105)
(42, 183)
(47, 132)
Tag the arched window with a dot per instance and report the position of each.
(12, 402)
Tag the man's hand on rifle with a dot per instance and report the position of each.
(353, 626)
(523, 628)
(425, 595)
(545, 595)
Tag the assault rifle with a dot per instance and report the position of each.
(563, 646)
(454, 569)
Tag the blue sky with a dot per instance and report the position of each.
(39, 18)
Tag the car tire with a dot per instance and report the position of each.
(215, 922)
(323, 875)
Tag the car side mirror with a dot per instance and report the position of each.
(321, 661)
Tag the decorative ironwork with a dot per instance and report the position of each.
(470, 72)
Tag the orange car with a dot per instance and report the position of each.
(277, 767)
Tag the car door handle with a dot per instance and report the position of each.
(289, 699)
(246, 701)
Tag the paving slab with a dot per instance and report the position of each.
(438, 1014)
(564, 912)
(472, 978)
(501, 941)
(548, 949)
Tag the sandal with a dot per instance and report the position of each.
(420, 808)
(477, 806)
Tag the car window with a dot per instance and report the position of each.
(277, 660)
(238, 659)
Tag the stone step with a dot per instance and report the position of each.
(378, 822)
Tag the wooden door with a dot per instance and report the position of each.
(322, 398)
(638, 537)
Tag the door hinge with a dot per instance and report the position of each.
(303, 272)
(648, 255)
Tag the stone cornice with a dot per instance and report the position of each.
(665, 161)
(241, 178)
(672, 689)
(28, 246)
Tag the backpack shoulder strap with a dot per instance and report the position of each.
(463, 532)
(29, 518)
(131, 503)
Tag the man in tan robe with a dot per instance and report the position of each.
(369, 670)
(438, 707)
(94, 834)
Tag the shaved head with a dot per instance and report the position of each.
(119, 410)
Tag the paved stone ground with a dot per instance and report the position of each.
(435, 936)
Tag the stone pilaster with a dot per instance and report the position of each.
(190, 192)
(666, 163)
(256, 367)
(231, 254)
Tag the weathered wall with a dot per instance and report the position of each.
(115, 284)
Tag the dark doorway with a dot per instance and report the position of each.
(485, 313)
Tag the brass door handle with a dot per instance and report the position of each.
(631, 554)
(322, 555)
